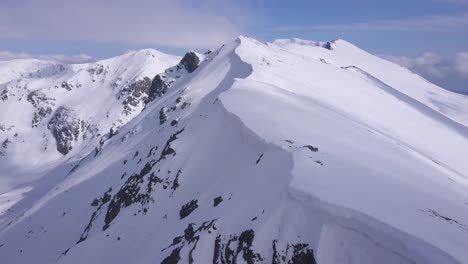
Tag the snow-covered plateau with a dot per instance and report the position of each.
(292, 152)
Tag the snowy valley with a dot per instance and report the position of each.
(292, 151)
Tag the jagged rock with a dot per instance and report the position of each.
(42, 103)
(217, 201)
(36, 97)
(190, 61)
(139, 92)
(67, 86)
(132, 192)
(158, 88)
(311, 148)
(4, 95)
(188, 208)
(4, 146)
(65, 128)
(162, 115)
(328, 46)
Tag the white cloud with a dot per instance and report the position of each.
(435, 65)
(172, 23)
(79, 58)
(448, 71)
(427, 64)
(461, 63)
(459, 2)
(442, 23)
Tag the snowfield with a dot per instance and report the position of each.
(293, 151)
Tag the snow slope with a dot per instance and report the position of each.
(286, 152)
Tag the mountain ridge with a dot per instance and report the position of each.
(291, 156)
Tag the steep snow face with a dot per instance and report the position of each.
(287, 152)
(51, 110)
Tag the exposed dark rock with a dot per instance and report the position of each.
(157, 89)
(311, 148)
(328, 46)
(302, 254)
(184, 105)
(174, 122)
(36, 97)
(217, 250)
(40, 114)
(42, 103)
(173, 258)
(131, 192)
(190, 61)
(4, 146)
(245, 246)
(162, 115)
(188, 208)
(190, 238)
(259, 159)
(66, 86)
(4, 95)
(99, 204)
(175, 183)
(168, 150)
(65, 128)
(217, 201)
(138, 93)
(152, 181)
(151, 151)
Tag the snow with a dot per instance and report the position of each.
(332, 150)
(95, 95)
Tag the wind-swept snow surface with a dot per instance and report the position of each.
(286, 152)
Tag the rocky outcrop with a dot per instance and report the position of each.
(234, 248)
(190, 61)
(328, 46)
(139, 92)
(157, 89)
(43, 105)
(65, 127)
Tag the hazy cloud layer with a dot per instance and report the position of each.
(440, 23)
(459, 2)
(174, 23)
(448, 71)
(79, 58)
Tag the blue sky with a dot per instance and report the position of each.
(427, 36)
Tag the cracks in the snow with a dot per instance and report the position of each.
(433, 213)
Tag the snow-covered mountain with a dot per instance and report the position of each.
(286, 152)
(51, 112)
